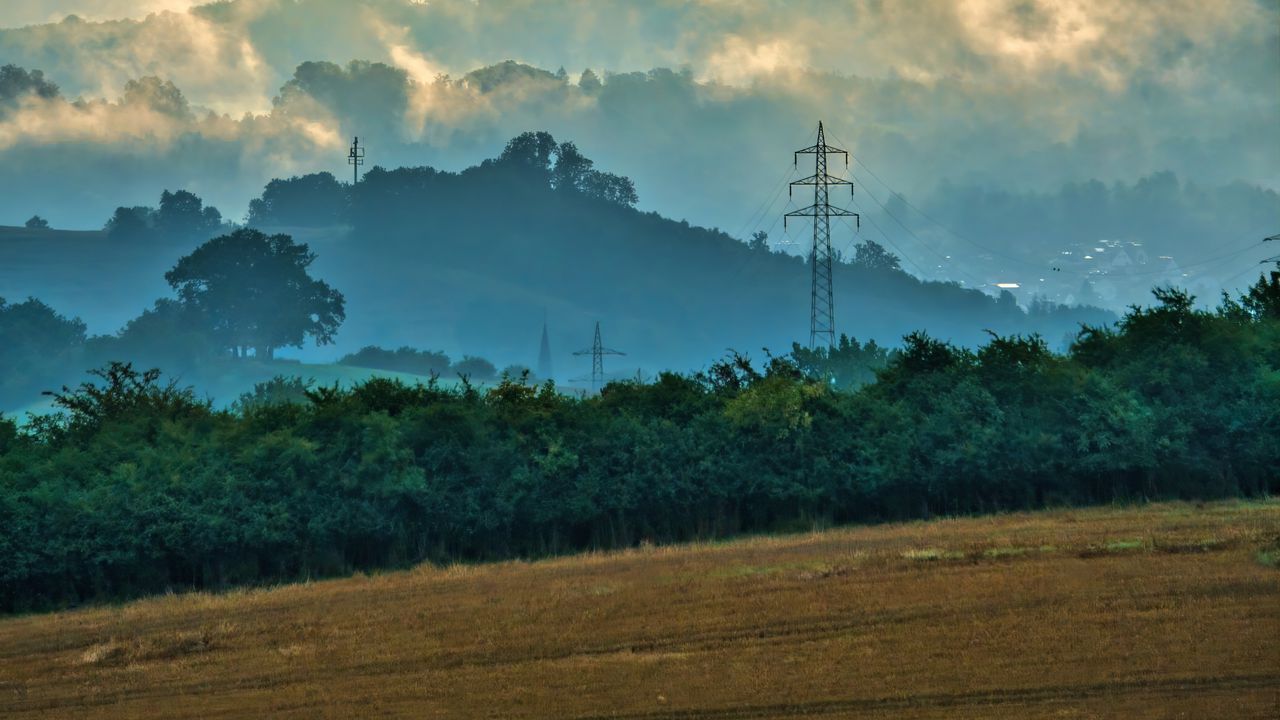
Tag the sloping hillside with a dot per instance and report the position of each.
(475, 262)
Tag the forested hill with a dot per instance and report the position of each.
(476, 260)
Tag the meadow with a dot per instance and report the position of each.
(1157, 611)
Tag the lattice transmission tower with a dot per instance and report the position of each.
(822, 312)
(597, 353)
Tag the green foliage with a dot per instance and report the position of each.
(314, 200)
(406, 359)
(845, 366)
(279, 390)
(1263, 299)
(36, 346)
(873, 256)
(125, 395)
(254, 291)
(475, 368)
(181, 217)
(137, 487)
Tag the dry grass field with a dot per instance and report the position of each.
(1163, 611)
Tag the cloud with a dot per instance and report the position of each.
(997, 94)
(31, 12)
(206, 54)
(739, 61)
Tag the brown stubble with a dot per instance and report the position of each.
(1154, 612)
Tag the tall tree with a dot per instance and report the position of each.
(531, 149)
(183, 215)
(873, 256)
(131, 223)
(571, 169)
(312, 200)
(255, 292)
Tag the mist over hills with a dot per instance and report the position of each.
(475, 262)
(1032, 130)
(1028, 154)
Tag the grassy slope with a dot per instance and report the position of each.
(1163, 611)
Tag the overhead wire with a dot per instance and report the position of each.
(850, 175)
(857, 160)
(887, 241)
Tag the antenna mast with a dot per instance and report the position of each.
(355, 159)
(822, 320)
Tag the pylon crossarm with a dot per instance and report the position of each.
(828, 180)
(816, 211)
(824, 148)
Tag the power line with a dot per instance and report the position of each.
(916, 237)
(753, 222)
(887, 241)
(949, 231)
(1012, 258)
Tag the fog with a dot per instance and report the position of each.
(1077, 152)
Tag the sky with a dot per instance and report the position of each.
(986, 115)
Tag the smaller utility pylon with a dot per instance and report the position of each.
(355, 158)
(597, 353)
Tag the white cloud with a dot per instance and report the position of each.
(1023, 93)
(30, 12)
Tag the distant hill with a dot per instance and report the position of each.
(83, 273)
(477, 259)
(474, 262)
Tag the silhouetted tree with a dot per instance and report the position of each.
(571, 168)
(183, 216)
(37, 347)
(171, 334)
(17, 82)
(37, 223)
(873, 256)
(405, 359)
(531, 149)
(609, 187)
(1262, 300)
(314, 200)
(475, 368)
(589, 82)
(254, 292)
(759, 241)
(131, 223)
(162, 96)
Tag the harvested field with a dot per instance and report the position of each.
(1163, 611)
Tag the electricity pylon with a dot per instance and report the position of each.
(355, 158)
(822, 313)
(597, 353)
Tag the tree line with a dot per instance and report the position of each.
(432, 363)
(137, 486)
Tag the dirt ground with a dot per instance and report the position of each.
(1163, 611)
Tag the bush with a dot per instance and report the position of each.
(139, 488)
